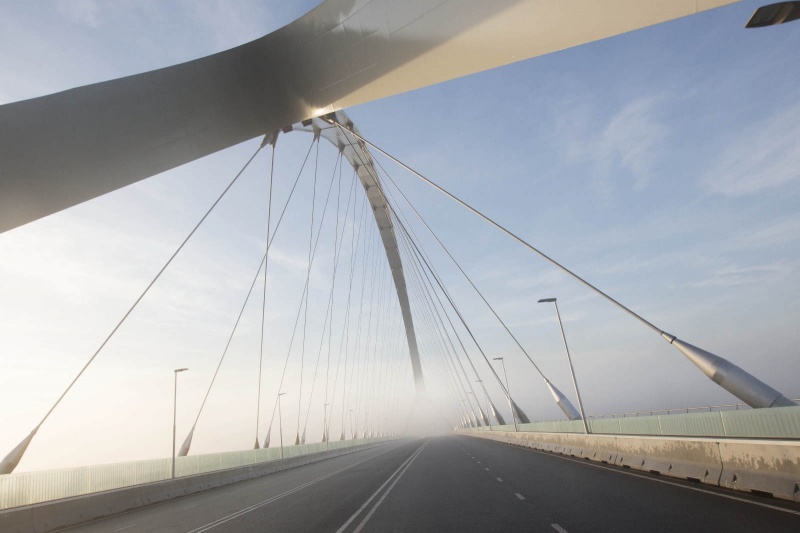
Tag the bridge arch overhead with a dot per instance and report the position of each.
(360, 159)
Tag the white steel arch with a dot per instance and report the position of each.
(361, 160)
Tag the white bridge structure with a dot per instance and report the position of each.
(302, 78)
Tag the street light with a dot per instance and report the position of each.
(569, 360)
(508, 393)
(280, 421)
(175, 415)
(774, 14)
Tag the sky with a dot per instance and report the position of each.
(662, 165)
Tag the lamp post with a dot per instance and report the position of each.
(508, 393)
(280, 421)
(569, 360)
(175, 415)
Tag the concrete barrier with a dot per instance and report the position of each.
(66, 512)
(693, 459)
(760, 466)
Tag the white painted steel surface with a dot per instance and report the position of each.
(60, 150)
(359, 157)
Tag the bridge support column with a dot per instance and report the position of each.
(13, 458)
(730, 377)
(184, 451)
(563, 402)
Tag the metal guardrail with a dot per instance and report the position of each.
(775, 423)
(682, 410)
(25, 488)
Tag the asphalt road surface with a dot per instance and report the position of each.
(460, 484)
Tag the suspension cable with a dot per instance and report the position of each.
(504, 230)
(149, 285)
(255, 278)
(264, 295)
(466, 276)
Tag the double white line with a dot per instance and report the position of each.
(396, 476)
(246, 510)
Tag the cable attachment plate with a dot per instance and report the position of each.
(270, 138)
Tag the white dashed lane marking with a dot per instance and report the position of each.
(518, 495)
(559, 528)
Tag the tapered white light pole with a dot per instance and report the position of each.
(175, 415)
(569, 360)
(280, 421)
(508, 393)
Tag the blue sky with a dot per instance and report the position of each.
(662, 165)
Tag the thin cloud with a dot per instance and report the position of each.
(230, 25)
(735, 275)
(775, 234)
(85, 12)
(630, 143)
(632, 140)
(763, 156)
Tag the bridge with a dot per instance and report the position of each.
(355, 368)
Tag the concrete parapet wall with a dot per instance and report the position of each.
(66, 512)
(772, 467)
(763, 466)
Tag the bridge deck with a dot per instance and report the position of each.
(460, 484)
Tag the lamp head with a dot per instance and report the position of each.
(180, 370)
(547, 300)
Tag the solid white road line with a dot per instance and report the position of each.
(355, 515)
(559, 528)
(642, 476)
(518, 495)
(246, 510)
(125, 527)
(379, 502)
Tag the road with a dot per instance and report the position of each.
(459, 483)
